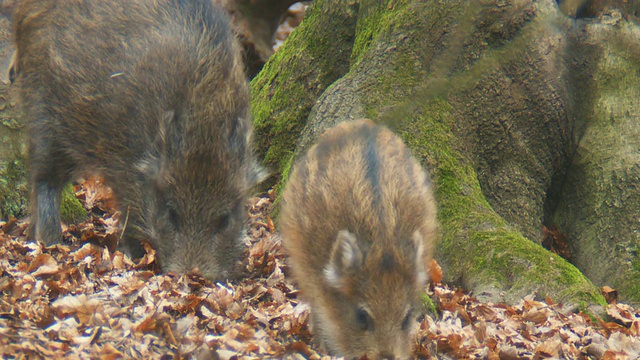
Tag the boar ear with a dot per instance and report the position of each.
(256, 173)
(345, 255)
(418, 243)
(153, 164)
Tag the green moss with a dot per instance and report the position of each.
(275, 210)
(428, 305)
(585, 309)
(478, 245)
(517, 263)
(373, 19)
(13, 189)
(71, 209)
(277, 138)
(283, 93)
(632, 285)
(15, 196)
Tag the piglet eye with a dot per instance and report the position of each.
(407, 320)
(363, 319)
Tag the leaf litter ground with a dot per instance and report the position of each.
(86, 300)
(83, 299)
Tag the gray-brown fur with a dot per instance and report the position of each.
(151, 95)
(358, 222)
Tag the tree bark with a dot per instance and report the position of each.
(599, 202)
(284, 93)
(488, 94)
(13, 177)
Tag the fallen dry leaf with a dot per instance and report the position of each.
(435, 272)
(85, 300)
(43, 264)
(611, 295)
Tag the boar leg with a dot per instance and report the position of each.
(49, 174)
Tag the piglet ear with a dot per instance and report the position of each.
(420, 261)
(12, 71)
(346, 255)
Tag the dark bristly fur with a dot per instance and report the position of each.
(358, 222)
(151, 95)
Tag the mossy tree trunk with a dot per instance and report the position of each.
(599, 202)
(13, 173)
(14, 191)
(489, 94)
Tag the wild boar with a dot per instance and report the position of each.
(358, 223)
(152, 96)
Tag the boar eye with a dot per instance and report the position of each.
(222, 222)
(173, 217)
(363, 319)
(407, 320)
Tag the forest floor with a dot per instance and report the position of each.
(82, 300)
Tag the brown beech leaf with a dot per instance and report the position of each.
(43, 264)
(435, 272)
(99, 304)
(80, 306)
(8, 226)
(611, 295)
(87, 250)
(549, 348)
